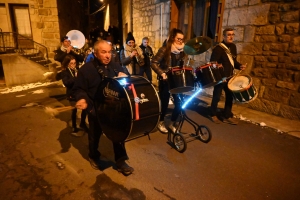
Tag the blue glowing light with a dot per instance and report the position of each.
(187, 101)
(123, 81)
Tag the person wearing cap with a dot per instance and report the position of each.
(66, 49)
(132, 56)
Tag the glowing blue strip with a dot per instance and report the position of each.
(185, 103)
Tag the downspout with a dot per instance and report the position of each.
(131, 13)
(161, 24)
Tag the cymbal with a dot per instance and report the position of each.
(197, 45)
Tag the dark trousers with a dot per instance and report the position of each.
(147, 71)
(94, 135)
(164, 96)
(216, 98)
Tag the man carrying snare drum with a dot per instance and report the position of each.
(225, 53)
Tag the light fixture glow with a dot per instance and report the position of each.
(187, 101)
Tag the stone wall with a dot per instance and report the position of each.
(44, 21)
(267, 39)
(150, 19)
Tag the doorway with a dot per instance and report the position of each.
(21, 25)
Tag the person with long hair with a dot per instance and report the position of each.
(69, 74)
(169, 55)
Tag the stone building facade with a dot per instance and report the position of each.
(43, 18)
(267, 39)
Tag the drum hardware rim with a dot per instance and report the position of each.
(212, 75)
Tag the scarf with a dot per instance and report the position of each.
(128, 50)
(64, 49)
(176, 49)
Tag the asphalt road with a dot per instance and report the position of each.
(39, 159)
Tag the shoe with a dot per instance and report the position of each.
(173, 128)
(77, 133)
(231, 120)
(84, 127)
(124, 168)
(161, 127)
(215, 120)
(95, 163)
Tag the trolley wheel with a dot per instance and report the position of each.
(179, 142)
(204, 134)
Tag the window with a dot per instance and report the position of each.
(198, 17)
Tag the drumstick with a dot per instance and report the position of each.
(55, 111)
(236, 75)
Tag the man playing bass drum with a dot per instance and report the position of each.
(225, 53)
(85, 89)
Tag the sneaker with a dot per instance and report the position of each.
(161, 127)
(77, 133)
(95, 163)
(124, 168)
(173, 128)
(231, 120)
(215, 120)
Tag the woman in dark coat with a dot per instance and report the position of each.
(69, 74)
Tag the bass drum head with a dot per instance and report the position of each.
(127, 107)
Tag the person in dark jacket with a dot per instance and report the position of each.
(85, 90)
(69, 74)
(66, 49)
(169, 55)
(225, 53)
(148, 54)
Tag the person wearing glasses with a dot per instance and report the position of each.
(64, 50)
(69, 74)
(169, 55)
(225, 53)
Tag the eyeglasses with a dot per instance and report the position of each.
(229, 35)
(179, 39)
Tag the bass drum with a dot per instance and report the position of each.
(127, 107)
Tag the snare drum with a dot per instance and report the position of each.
(242, 88)
(181, 79)
(127, 107)
(210, 74)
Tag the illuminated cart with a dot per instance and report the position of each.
(179, 139)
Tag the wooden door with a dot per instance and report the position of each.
(21, 25)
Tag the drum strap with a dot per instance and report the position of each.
(227, 51)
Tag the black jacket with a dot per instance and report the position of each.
(60, 55)
(88, 80)
(146, 55)
(221, 57)
(68, 79)
(159, 65)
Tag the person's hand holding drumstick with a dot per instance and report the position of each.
(243, 67)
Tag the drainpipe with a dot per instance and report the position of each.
(161, 24)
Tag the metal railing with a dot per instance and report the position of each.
(11, 42)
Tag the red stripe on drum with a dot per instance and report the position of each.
(137, 112)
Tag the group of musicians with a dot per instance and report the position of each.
(86, 80)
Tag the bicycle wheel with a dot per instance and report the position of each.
(179, 142)
(204, 134)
